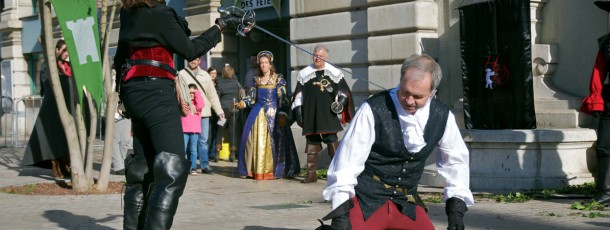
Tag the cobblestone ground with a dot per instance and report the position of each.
(223, 201)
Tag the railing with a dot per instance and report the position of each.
(18, 122)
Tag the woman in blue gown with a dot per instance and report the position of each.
(267, 150)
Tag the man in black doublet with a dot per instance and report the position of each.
(320, 96)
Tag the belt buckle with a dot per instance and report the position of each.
(124, 69)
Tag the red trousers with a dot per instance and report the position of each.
(389, 217)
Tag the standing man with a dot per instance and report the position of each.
(320, 95)
(598, 104)
(195, 75)
(249, 81)
(372, 182)
(121, 140)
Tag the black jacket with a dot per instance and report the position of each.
(160, 25)
(227, 90)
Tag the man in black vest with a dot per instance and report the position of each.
(372, 181)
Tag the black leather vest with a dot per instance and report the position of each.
(390, 167)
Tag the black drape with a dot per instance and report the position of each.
(495, 38)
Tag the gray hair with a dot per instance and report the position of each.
(320, 47)
(423, 63)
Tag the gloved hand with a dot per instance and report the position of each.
(340, 216)
(297, 114)
(455, 209)
(229, 18)
(229, 22)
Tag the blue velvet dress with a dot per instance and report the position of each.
(267, 151)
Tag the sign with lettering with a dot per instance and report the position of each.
(255, 4)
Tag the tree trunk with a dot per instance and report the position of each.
(103, 22)
(89, 155)
(81, 129)
(112, 99)
(79, 181)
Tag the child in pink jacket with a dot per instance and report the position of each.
(191, 126)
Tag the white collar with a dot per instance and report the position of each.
(412, 125)
(309, 73)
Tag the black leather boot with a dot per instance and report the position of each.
(232, 154)
(170, 172)
(135, 190)
(602, 181)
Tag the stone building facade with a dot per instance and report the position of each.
(370, 39)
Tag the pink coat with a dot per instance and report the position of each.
(192, 122)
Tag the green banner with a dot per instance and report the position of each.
(78, 22)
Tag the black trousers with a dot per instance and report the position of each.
(230, 133)
(153, 107)
(316, 139)
(603, 132)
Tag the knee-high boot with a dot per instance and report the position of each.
(312, 160)
(170, 172)
(602, 181)
(332, 149)
(135, 190)
(56, 169)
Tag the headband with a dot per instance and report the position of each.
(264, 52)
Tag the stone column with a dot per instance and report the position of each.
(554, 109)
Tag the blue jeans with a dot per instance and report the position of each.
(202, 144)
(190, 148)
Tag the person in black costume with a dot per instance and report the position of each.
(598, 104)
(48, 140)
(320, 95)
(156, 174)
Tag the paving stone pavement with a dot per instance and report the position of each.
(224, 201)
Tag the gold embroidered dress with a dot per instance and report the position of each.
(267, 151)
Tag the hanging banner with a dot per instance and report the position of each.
(78, 22)
(496, 65)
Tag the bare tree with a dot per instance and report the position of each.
(81, 146)
(79, 181)
(112, 97)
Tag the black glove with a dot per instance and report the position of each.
(340, 217)
(455, 209)
(229, 18)
(297, 114)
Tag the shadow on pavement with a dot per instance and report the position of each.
(600, 224)
(67, 220)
